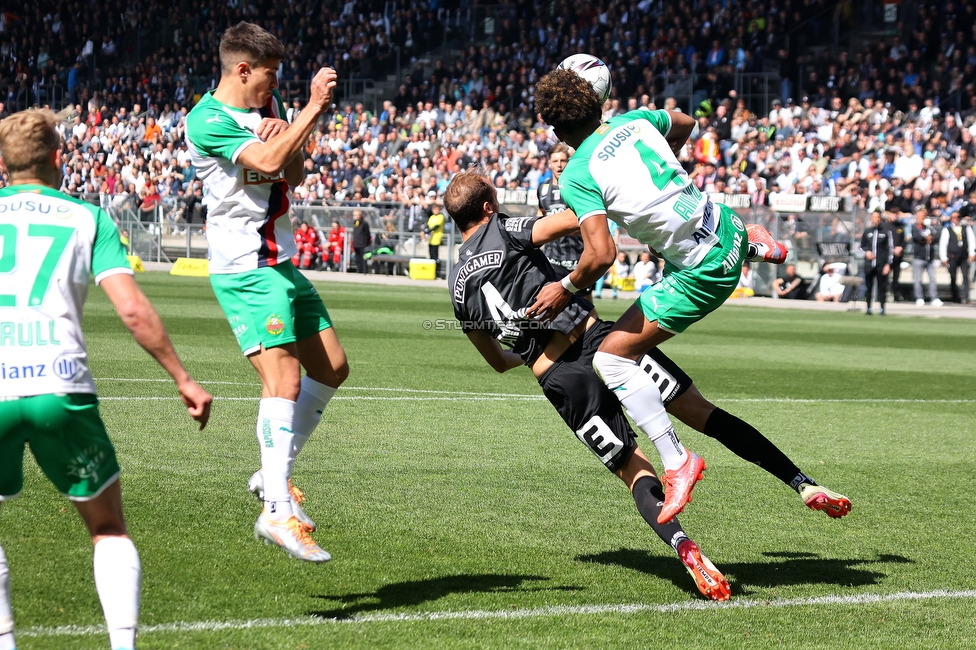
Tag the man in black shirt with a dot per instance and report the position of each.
(926, 252)
(361, 239)
(897, 230)
(500, 272)
(563, 253)
(878, 255)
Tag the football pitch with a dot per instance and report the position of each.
(462, 512)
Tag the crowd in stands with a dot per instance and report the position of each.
(890, 125)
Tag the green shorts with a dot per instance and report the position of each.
(686, 296)
(68, 439)
(270, 306)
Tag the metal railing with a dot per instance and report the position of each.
(758, 89)
(20, 97)
(680, 87)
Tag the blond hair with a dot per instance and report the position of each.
(27, 139)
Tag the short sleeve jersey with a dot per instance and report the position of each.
(50, 245)
(245, 230)
(565, 252)
(626, 170)
(498, 276)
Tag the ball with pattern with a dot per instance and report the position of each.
(593, 70)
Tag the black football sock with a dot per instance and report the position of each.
(649, 497)
(742, 439)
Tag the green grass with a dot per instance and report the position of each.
(493, 505)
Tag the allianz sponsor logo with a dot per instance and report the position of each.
(65, 367)
(620, 137)
(480, 262)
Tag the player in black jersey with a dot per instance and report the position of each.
(563, 253)
(500, 271)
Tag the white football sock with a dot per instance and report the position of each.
(642, 400)
(275, 423)
(6, 614)
(312, 401)
(117, 576)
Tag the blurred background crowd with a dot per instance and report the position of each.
(873, 102)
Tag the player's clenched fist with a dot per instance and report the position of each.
(322, 84)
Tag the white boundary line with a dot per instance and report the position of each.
(538, 612)
(378, 398)
(466, 396)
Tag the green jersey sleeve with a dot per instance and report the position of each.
(581, 193)
(660, 119)
(108, 255)
(281, 104)
(215, 134)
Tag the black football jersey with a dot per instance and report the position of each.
(498, 276)
(564, 253)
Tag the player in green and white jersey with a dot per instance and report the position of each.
(627, 170)
(50, 245)
(248, 156)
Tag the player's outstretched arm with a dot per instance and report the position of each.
(270, 157)
(497, 357)
(681, 127)
(554, 226)
(599, 251)
(141, 319)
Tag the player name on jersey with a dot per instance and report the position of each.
(37, 333)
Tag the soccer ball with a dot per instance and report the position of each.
(593, 70)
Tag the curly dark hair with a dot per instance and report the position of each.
(566, 101)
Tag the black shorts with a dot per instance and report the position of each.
(590, 408)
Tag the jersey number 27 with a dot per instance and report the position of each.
(59, 236)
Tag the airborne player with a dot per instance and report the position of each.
(499, 273)
(247, 160)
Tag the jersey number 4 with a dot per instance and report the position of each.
(661, 173)
(59, 236)
(505, 317)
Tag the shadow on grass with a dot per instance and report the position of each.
(417, 592)
(783, 569)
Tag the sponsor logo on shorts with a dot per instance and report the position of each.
(85, 465)
(275, 325)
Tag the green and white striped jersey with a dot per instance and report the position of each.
(50, 245)
(245, 230)
(626, 170)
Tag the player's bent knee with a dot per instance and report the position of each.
(613, 370)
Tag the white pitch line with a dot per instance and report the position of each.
(494, 396)
(852, 400)
(480, 615)
(375, 398)
(344, 388)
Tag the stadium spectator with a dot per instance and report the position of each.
(361, 239)
(791, 286)
(957, 250)
(926, 257)
(830, 289)
(435, 230)
(646, 271)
